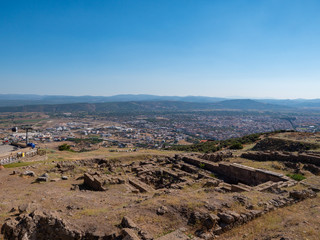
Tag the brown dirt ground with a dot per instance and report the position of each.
(103, 211)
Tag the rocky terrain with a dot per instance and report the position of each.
(225, 195)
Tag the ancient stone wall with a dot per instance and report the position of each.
(226, 220)
(217, 157)
(237, 173)
(283, 156)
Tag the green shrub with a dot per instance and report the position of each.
(296, 176)
(64, 147)
(92, 140)
(202, 165)
(215, 145)
(236, 145)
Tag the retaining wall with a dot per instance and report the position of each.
(238, 173)
(284, 157)
(17, 157)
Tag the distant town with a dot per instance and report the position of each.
(153, 130)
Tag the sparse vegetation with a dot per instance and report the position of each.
(64, 147)
(18, 164)
(236, 146)
(276, 144)
(213, 146)
(202, 165)
(181, 198)
(190, 236)
(90, 140)
(165, 233)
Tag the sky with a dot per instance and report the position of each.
(217, 48)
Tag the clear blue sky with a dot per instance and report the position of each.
(242, 48)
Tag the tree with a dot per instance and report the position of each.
(236, 145)
(64, 147)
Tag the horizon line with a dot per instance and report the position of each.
(141, 94)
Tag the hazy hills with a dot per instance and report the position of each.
(130, 102)
(31, 99)
(147, 106)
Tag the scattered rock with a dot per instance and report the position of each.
(45, 175)
(210, 221)
(15, 172)
(226, 204)
(241, 199)
(174, 236)
(55, 180)
(43, 225)
(39, 225)
(293, 165)
(29, 173)
(301, 195)
(250, 206)
(162, 210)
(27, 207)
(205, 235)
(129, 234)
(211, 183)
(128, 223)
(12, 210)
(195, 217)
(93, 182)
(75, 187)
(43, 178)
(226, 218)
(312, 168)
(145, 236)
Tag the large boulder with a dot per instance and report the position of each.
(211, 221)
(129, 234)
(196, 217)
(43, 178)
(29, 173)
(162, 210)
(27, 207)
(226, 218)
(93, 182)
(211, 183)
(39, 225)
(207, 220)
(128, 223)
(303, 194)
(44, 225)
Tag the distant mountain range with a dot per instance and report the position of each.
(130, 102)
(32, 99)
(297, 103)
(147, 106)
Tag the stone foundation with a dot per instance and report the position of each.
(308, 158)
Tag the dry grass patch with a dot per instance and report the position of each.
(284, 222)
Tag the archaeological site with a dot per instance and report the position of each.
(167, 196)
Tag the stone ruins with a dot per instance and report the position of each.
(167, 175)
